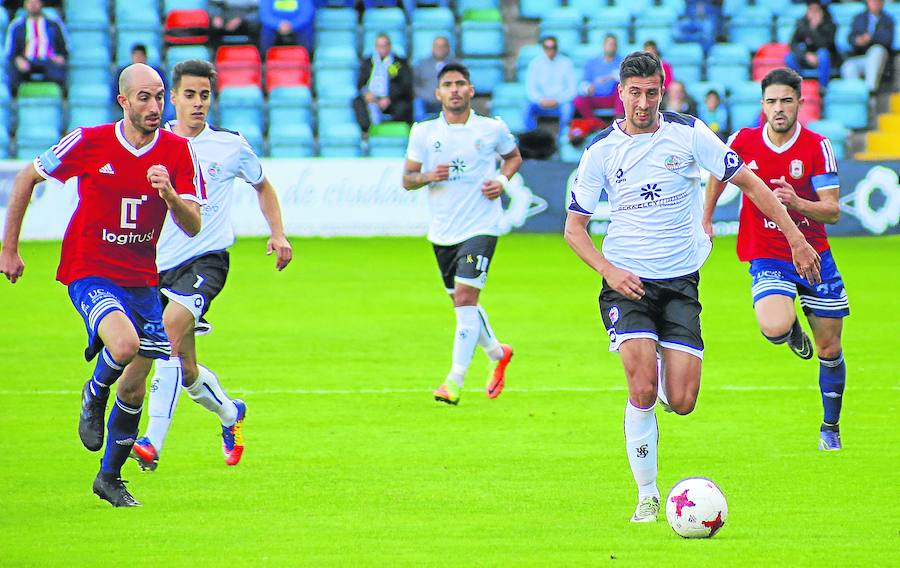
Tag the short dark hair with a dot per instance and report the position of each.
(550, 38)
(458, 67)
(641, 64)
(194, 68)
(139, 47)
(782, 76)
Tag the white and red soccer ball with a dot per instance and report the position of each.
(696, 508)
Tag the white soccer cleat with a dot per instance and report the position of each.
(646, 511)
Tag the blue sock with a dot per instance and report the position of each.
(106, 373)
(832, 375)
(122, 429)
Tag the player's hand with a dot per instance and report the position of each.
(158, 176)
(11, 265)
(708, 227)
(384, 103)
(491, 189)
(370, 97)
(624, 283)
(282, 249)
(785, 193)
(807, 262)
(440, 173)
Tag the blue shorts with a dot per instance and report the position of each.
(825, 300)
(95, 297)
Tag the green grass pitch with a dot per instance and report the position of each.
(349, 462)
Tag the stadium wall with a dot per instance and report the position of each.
(363, 197)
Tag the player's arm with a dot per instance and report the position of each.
(579, 240)
(492, 188)
(825, 210)
(714, 189)
(11, 264)
(414, 177)
(806, 260)
(271, 210)
(185, 213)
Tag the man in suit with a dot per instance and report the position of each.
(871, 36)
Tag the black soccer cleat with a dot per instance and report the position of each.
(112, 489)
(801, 345)
(90, 421)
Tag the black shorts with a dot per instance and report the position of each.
(195, 283)
(669, 313)
(466, 262)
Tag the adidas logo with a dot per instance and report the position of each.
(752, 165)
(107, 169)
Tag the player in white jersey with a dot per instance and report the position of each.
(649, 166)
(458, 152)
(193, 272)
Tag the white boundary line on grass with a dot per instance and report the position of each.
(264, 392)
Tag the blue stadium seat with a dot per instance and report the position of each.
(330, 113)
(526, 53)
(89, 55)
(581, 54)
(241, 97)
(731, 7)
(636, 7)
(137, 14)
(241, 109)
(90, 93)
(299, 97)
(482, 38)
(4, 143)
(433, 18)
(125, 39)
(335, 69)
(785, 21)
(169, 5)
(485, 73)
(743, 104)
(291, 140)
(178, 53)
(835, 131)
(90, 74)
(422, 40)
(655, 23)
(86, 15)
(289, 116)
(535, 9)
(686, 60)
(751, 27)
(847, 101)
(509, 101)
(565, 24)
(614, 20)
(89, 37)
(728, 63)
(843, 13)
(336, 83)
(340, 141)
(391, 21)
(842, 38)
(89, 115)
(697, 90)
(588, 8)
(381, 147)
(336, 26)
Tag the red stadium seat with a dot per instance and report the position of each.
(238, 54)
(287, 66)
(276, 77)
(187, 27)
(769, 56)
(284, 54)
(238, 65)
(238, 77)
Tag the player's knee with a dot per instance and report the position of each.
(775, 331)
(643, 393)
(683, 406)
(465, 296)
(124, 348)
(828, 348)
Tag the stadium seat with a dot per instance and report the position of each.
(169, 5)
(177, 53)
(290, 105)
(81, 93)
(564, 24)
(4, 143)
(686, 60)
(588, 8)
(187, 27)
(291, 140)
(391, 21)
(330, 113)
(340, 141)
(751, 27)
(238, 65)
(614, 20)
(843, 12)
(485, 74)
(786, 19)
(535, 9)
(481, 33)
(86, 15)
(526, 53)
(509, 101)
(89, 115)
(83, 37)
(427, 24)
(847, 101)
(287, 66)
(388, 139)
(769, 57)
(698, 89)
(743, 104)
(580, 54)
(655, 23)
(126, 38)
(728, 63)
(137, 15)
(833, 130)
(336, 26)
(841, 38)
(335, 71)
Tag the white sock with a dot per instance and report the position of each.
(207, 392)
(661, 373)
(164, 390)
(468, 327)
(486, 338)
(641, 437)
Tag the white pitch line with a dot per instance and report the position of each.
(265, 392)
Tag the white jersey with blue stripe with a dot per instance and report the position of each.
(653, 184)
(224, 155)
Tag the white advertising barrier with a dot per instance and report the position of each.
(319, 197)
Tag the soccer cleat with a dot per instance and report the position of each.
(802, 347)
(144, 454)
(830, 438)
(233, 436)
(498, 377)
(448, 393)
(646, 511)
(113, 490)
(90, 420)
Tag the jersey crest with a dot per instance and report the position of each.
(796, 169)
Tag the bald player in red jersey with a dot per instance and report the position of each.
(801, 169)
(130, 176)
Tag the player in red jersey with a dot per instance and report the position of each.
(802, 171)
(130, 175)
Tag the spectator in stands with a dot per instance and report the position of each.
(286, 22)
(676, 99)
(36, 48)
(233, 18)
(385, 87)
(551, 84)
(650, 46)
(425, 78)
(812, 45)
(714, 114)
(599, 85)
(139, 55)
(871, 37)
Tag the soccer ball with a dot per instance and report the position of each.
(696, 508)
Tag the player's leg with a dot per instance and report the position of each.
(774, 290)
(465, 340)
(682, 371)
(680, 341)
(832, 377)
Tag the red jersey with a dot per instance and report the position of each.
(116, 224)
(807, 163)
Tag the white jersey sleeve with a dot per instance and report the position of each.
(506, 142)
(249, 168)
(589, 184)
(713, 155)
(417, 149)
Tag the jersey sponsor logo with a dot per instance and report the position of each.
(107, 169)
(129, 212)
(796, 169)
(127, 238)
(769, 224)
(457, 168)
(614, 314)
(665, 202)
(650, 191)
